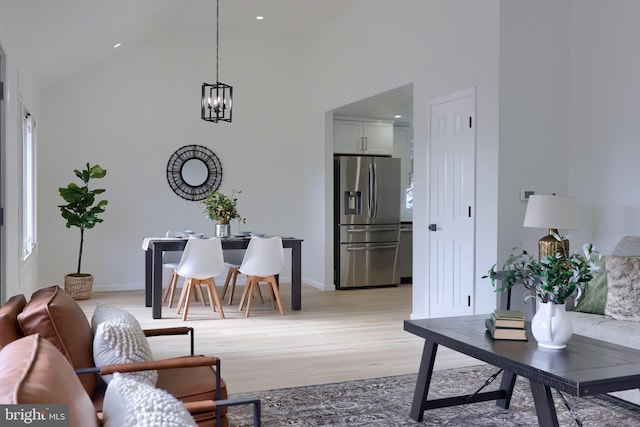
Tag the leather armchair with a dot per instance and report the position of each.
(54, 316)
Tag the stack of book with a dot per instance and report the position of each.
(506, 325)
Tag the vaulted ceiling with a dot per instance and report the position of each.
(63, 36)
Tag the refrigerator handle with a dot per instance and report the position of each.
(375, 191)
(370, 213)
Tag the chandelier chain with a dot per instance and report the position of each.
(217, 35)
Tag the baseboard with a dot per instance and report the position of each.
(318, 285)
(219, 282)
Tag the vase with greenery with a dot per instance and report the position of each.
(82, 209)
(222, 209)
(550, 281)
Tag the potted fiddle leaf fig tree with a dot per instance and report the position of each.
(82, 210)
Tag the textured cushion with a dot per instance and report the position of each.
(623, 288)
(106, 312)
(33, 371)
(594, 294)
(9, 328)
(54, 315)
(121, 342)
(131, 403)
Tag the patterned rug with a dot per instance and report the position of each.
(387, 402)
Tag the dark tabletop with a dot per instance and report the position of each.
(585, 367)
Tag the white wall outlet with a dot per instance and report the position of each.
(524, 195)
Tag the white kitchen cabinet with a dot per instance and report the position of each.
(363, 137)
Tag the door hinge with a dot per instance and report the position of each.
(1, 90)
(468, 300)
(470, 122)
(1, 216)
(469, 211)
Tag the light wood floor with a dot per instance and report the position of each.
(337, 336)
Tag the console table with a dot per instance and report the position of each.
(155, 247)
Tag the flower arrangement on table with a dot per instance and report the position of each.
(221, 208)
(552, 279)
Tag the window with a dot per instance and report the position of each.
(28, 184)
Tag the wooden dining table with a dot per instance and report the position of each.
(154, 247)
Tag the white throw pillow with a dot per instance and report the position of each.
(105, 312)
(130, 403)
(120, 342)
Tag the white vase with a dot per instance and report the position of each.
(551, 326)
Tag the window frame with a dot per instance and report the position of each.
(28, 189)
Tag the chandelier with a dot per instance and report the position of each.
(216, 98)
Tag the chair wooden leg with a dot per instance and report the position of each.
(199, 293)
(260, 293)
(249, 289)
(171, 288)
(188, 298)
(272, 294)
(232, 276)
(183, 295)
(245, 292)
(233, 284)
(213, 296)
(226, 281)
(276, 292)
(165, 294)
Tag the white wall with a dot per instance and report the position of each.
(545, 72)
(605, 141)
(21, 276)
(131, 114)
(534, 115)
(440, 46)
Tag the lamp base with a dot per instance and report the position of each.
(550, 245)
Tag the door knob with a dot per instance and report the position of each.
(432, 227)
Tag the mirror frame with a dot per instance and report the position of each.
(176, 179)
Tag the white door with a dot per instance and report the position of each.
(452, 208)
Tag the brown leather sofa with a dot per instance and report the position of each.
(52, 315)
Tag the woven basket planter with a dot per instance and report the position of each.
(79, 287)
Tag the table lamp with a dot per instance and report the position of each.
(552, 212)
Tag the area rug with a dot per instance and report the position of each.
(387, 401)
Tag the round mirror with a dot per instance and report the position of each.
(193, 171)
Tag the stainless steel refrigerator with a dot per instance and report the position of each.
(366, 221)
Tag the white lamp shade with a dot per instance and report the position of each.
(548, 211)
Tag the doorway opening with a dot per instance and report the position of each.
(365, 132)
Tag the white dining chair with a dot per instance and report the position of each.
(201, 261)
(262, 261)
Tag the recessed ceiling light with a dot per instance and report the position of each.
(397, 116)
(117, 45)
(259, 18)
